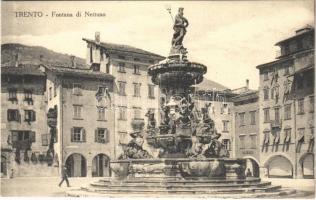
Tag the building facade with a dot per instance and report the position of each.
(134, 92)
(286, 109)
(81, 100)
(246, 131)
(24, 144)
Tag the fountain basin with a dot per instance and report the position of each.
(184, 73)
(187, 168)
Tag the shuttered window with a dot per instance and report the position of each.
(101, 135)
(78, 134)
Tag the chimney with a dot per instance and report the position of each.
(97, 37)
(16, 59)
(73, 63)
(247, 83)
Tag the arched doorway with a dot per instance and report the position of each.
(279, 167)
(76, 165)
(253, 166)
(307, 163)
(101, 165)
(3, 166)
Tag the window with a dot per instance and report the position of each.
(13, 115)
(252, 117)
(123, 137)
(77, 111)
(121, 67)
(122, 88)
(12, 95)
(311, 104)
(266, 113)
(225, 126)
(287, 136)
(137, 89)
(272, 93)
(136, 69)
(265, 76)
(151, 91)
(76, 89)
(18, 136)
(101, 135)
(78, 134)
(50, 93)
(101, 113)
(287, 112)
(224, 108)
(241, 119)
(227, 144)
(137, 112)
(242, 141)
(266, 93)
(136, 59)
(300, 106)
(122, 113)
(28, 95)
(277, 114)
(30, 116)
(151, 61)
(45, 139)
(253, 141)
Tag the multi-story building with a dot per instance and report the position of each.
(218, 100)
(286, 109)
(24, 142)
(134, 92)
(246, 128)
(81, 102)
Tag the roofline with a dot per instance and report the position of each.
(274, 62)
(294, 37)
(81, 74)
(149, 54)
(40, 73)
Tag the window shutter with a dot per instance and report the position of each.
(33, 136)
(96, 135)
(107, 136)
(72, 134)
(8, 115)
(34, 115)
(83, 135)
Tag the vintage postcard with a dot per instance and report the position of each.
(198, 99)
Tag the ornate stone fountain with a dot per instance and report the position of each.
(186, 136)
(190, 158)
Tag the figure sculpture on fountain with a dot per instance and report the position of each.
(179, 27)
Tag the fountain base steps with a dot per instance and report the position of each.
(138, 187)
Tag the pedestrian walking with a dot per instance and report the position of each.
(64, 176)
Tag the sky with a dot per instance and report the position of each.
(230, 37)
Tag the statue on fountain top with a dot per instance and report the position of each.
(179, 27)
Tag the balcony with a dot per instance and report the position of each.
(276, 124)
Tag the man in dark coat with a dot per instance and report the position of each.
(64, 176)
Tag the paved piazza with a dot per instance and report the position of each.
(48, 186)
